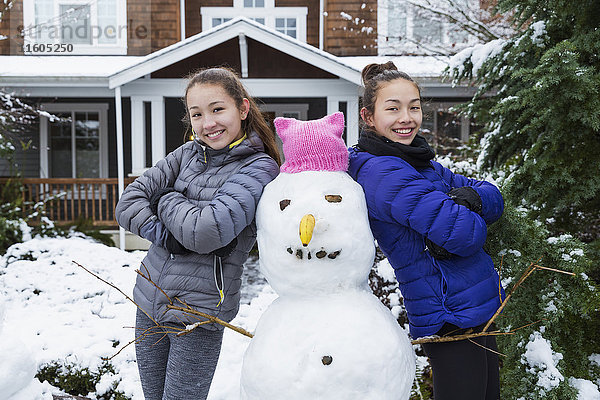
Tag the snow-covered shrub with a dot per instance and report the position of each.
(542, 359)
(79, 381)
(538, 99)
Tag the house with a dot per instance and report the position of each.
(113, 71)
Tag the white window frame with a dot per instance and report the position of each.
(393, 47)
(269, 12)
(100, 108)
(118, 48)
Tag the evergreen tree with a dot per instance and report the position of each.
(539, 100)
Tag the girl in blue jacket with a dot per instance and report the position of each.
(431, 224)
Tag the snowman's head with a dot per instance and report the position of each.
(313, 233)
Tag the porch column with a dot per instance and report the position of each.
(138, 136)
(333, 105)
(120, 162)
(352, 122)
(159, 144)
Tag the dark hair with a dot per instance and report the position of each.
(231, 83)
(374, 74)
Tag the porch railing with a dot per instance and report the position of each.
(67, 200)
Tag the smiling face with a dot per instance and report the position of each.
(313, 233)
(215, 118)
(397, 112)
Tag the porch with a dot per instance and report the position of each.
(66, 201)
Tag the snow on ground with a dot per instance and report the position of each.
(51, 309)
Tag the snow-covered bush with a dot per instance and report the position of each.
(554, 358)
(542, 360)
(79, 381)
(538, 99)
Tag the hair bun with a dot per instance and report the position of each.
(372, 70)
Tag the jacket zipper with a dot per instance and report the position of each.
(218, 274)
(443, 282)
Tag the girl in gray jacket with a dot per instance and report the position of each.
(197, 208)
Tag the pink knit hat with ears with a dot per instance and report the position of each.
(313, 145)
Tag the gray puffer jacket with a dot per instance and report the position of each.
(215, 199)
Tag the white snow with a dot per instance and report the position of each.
(561, 238)
(346, 16)
(64, 66)
(542, 361)
(538, 30)
(386, 271)
(477, 54)
(55, 311)
(587, 390)
(52, 310)
(415, 66)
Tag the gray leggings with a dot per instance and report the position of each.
(176, 368)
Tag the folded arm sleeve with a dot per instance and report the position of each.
(133, 209)
(491, 198)
(231, 210)
(154, 231)
(404, 196)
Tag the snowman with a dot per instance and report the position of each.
(326, 336)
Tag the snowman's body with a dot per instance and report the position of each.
(327, 336)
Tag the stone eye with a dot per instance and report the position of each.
(333, 198)
(284, 203)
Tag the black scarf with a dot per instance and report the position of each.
(418, 154)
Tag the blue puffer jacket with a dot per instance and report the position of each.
(406, 206)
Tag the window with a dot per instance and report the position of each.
(76, 145)
(254, 3)
(286, 25)
(290, 21)
(86, 26)
(219, 21)
(408, 29)
(75, 24)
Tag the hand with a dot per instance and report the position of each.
(225, 250)
(173, 246)
(436, 251)
(468, 197)
(155, 198)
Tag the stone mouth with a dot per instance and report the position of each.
(302, 253)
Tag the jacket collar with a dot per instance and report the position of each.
(248, 144)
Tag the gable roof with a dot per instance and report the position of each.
(227, 31)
